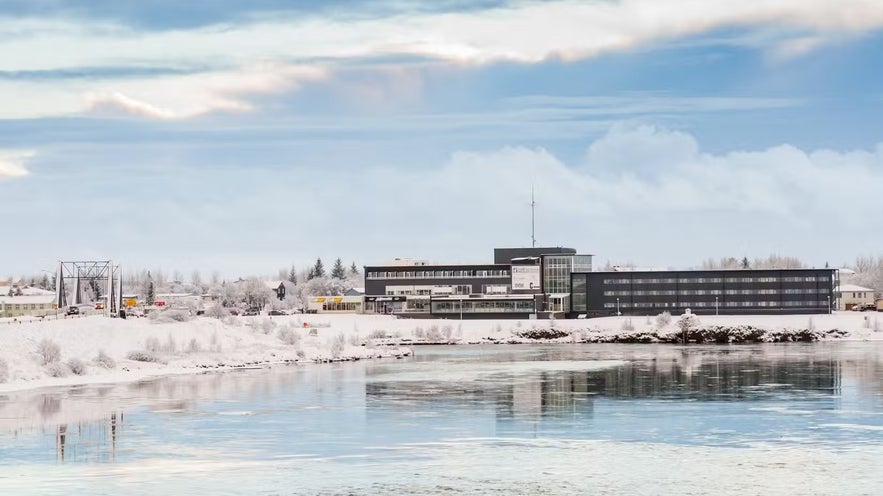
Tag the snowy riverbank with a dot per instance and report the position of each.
(134, 349)
(140, 348)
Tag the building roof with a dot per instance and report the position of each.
(43, 298)
(852, 287)
(26, 290)
(274, 284)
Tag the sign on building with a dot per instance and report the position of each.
(525, 277)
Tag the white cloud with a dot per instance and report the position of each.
(526, 32)
(12, 163)
(306, 48)
(163, 97)
(685, 206)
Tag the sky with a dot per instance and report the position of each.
(244, 137)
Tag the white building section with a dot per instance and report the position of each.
(851, 295)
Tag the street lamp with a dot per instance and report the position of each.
(716, 308)
(617, 307)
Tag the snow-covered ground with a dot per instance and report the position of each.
(206, 343)
(177, 347)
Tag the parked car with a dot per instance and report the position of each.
(233, 311)
(72, 310)
(99, 306)
(277, 312)
(251, 312)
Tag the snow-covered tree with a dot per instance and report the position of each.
(196, 282)
(745, 264)
(868, 273)
(354, 271)
(256, 294)
(319, 268)
(688, 323)
(337, 271)
(292, 275)
(149, 291)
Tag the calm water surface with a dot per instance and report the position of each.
(616, 419)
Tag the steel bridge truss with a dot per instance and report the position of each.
(73, 277)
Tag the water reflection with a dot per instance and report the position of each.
(726, 395)
(703, 375)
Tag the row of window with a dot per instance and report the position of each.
(462, 289)
(28, 306)
(717, 280)
(435, 274)
(340, 307)
(714, 292)
(466, 306)
(711, 304)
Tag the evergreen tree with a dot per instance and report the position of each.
(44, 282)
(354, 271)
(151, 291)
(745, 264)
(292, 275)
(338, 272)
(319, 269)
(311, 274)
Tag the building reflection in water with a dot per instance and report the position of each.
(92, 441)
(555, 393)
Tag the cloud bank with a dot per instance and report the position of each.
(12, 163)
(263, 54)
(640, 193)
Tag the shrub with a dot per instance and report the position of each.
(267, 325)
(193, 346)
(355, 340)
(217, 311)
(337, 345)
(152, 344)
(663, 319)
(688, 323)
(49, 352)
(77, 366)
(288, 336)
(448, 331)
(433, 334)
(143, 356)
(378, 334)
(168, 316)
(627, 325)
(4, 371)
(419, 333)
(56, 369)
(105, 360)
(171, 346)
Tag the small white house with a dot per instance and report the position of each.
(850, 295)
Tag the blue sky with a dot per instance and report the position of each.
(246, 136)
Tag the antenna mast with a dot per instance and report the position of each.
(533, 204)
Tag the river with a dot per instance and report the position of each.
(519, 419)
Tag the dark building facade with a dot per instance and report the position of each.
(777, 291)
(521, 283)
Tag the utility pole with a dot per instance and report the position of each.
(533, 204)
